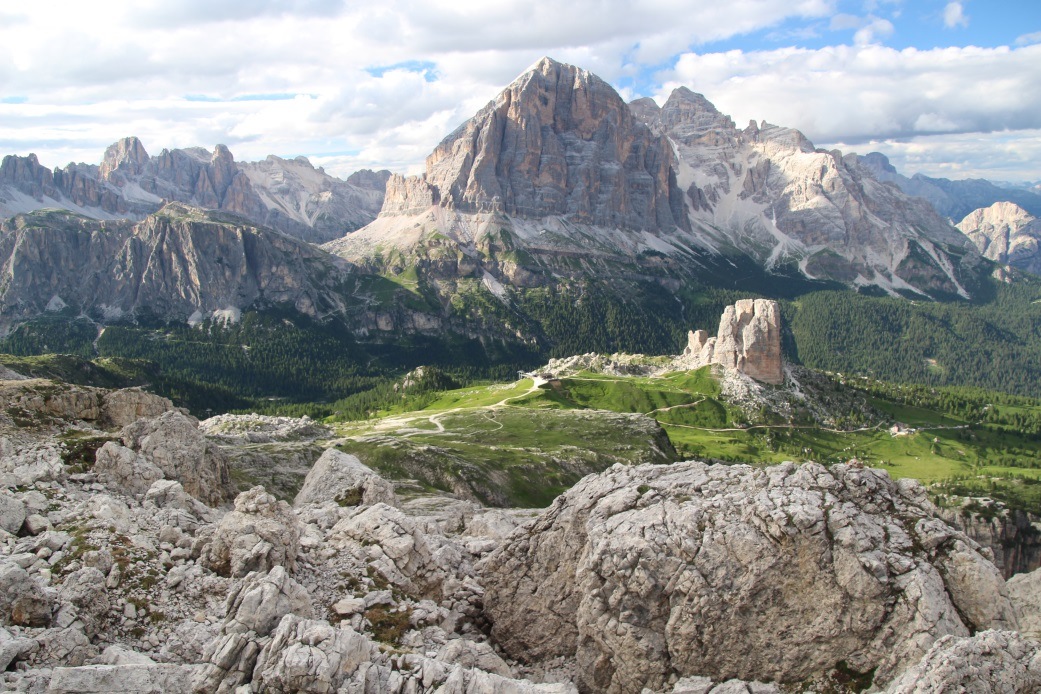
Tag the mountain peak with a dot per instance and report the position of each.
(126, 156)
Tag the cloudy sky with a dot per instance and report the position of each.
(944, 87)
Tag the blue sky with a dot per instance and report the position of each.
(943, 87)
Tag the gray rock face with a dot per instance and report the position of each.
(1024, 591)
(340, 477)
(121, 467)
(84, 598)
(259, 535)
(559, 141)
(749, 341)
(181, 264)
(127, 405)
(1007, 234)
(173, 443)
(12, 514)
(288, 195)
(23, 601)
(421, 563)
(309, 656)
(122, 679)
(650, 571)
(254, 608)
(987, 663)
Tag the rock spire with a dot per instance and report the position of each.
(748, 340)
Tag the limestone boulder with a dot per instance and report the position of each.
(12, 514)
(122, 468)
(1024, 590)
(83, 597)
(986, 663)
(23, 600)
(127, 405)
(122, 679)
(309, 656)
(649, 572)
(419, 561)
(341, 477)
(253, 610)
(173, 443)
(258, 535)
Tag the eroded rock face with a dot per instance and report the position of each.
(692, 569)
(987, 663)
(557, 141)
(173, 443)
(748, 340)
(260, 534)
(254, 608)
(1024, 590)
(340, 477)
(1007, 234)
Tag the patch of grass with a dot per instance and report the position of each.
(388, 626)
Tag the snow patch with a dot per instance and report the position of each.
(55, 304)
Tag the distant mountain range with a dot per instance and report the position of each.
(288, 195)
(956, 199)
(558, 220)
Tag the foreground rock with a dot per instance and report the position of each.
(649, 572)
(990, 662)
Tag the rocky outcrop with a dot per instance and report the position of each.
(23, 600)
(254, 608)
(288, 195)
(558, 141)
(650, 572)
(1012, 535)
(1007, 234)
(340, 477)
(1024, 590)
(748, 340)
(173, 443)
(260, 534)
(986, 663)
(181, 264)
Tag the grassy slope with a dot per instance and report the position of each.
(524, 433)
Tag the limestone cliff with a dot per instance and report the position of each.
(1007, 234)
(289, 195)
(576, 178)
(179, 264)
(766, 190)
(748, 340)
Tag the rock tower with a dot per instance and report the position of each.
(748, 340)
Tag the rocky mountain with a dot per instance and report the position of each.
(123, 568)
(289, 195)
(1007, 234)
(748, 341)
(181, 264)
(560, 169)
(953, 199)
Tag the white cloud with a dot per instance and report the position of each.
(1027, 39)
(954, 16)
(855, 94)
(91, 73)
(998, 156)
